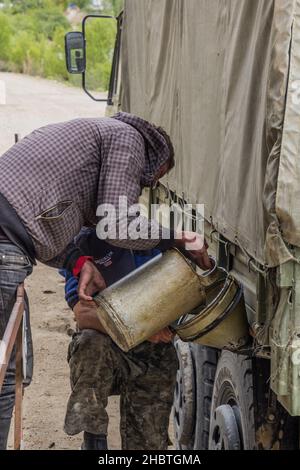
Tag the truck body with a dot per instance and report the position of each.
(223, 78)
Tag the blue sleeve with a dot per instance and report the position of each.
(71, 288)
(141, 257)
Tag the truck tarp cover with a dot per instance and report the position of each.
(223, 78)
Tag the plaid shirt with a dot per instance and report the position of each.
(57, 176)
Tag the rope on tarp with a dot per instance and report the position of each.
(251, 262)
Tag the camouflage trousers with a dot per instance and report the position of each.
(144, 378)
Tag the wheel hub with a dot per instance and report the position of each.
(183, 407)
(225, 433)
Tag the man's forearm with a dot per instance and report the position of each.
(90, 322)
(86, 316)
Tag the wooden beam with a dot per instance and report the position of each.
(10, 335)
(19, 390)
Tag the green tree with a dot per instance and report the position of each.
(113, 6)
(32, 41)
(5, 36)
(100, 38)
(21, 6)
(54, 57)
(47, 21)
(62, 4)
(26, 54)
(82, 3)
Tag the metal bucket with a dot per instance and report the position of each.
(149, 299)
(222, 323)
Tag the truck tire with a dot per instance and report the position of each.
(184, 397)
(205, 361)
(232, 425)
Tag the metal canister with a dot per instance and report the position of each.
(222, 323)
(149, 299)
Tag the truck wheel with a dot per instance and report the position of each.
(184, 397)
(205, 360)
(232, 409)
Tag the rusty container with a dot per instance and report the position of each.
(149, 299)
(222, 322)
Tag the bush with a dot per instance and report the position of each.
(54, 57)
(100, 37)
(113, 6)
(26, 54)
(5, 37)
(32, 41)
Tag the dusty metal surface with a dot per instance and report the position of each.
(148, 300)
(285, 339)
(222, 323)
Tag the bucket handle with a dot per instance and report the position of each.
(207, 278)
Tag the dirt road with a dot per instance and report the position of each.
(34, 102)
(31, 103)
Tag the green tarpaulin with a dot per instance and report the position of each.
(223, 78)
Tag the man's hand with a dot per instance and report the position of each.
(86, 316)
(90, 281)
(195, 247)
(163, 336)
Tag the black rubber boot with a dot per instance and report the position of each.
(94, 441)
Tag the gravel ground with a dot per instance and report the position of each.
(33, 102)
